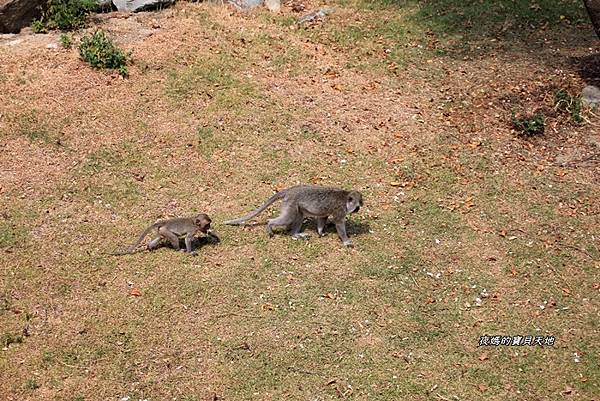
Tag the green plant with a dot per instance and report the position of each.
(66, 41)
(32, 384)
(564, 102)
(38, 26)
(529, 125)
(7, 339)
(64, 15)
(100, 51)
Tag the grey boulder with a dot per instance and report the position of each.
(591, 95)
(141, 5)
(17, 14)
(246, 4)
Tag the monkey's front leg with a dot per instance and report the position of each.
(188, 244)
(340, 226)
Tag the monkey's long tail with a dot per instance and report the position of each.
(251, 215)
(140, 239)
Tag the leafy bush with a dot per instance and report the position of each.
(100, 51)
(66, 41)
(529, 125)
(64, 15)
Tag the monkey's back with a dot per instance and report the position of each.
(317, 200)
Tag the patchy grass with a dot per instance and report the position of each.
(467, 230)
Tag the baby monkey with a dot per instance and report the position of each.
(310, 201)
(172, 230)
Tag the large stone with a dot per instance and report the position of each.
(17, 14)
(591, 96)
(273, 5)
(141, 5)
(245, 5)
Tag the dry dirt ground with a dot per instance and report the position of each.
(468, 229)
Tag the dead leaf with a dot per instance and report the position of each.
(396, 183)
(135, 292)
(483, 357)
(568, 390)
(482, 387)
(475, 144)
(329, 295)
(566, 291)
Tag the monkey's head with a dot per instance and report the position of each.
(354, 202)
(203, 222)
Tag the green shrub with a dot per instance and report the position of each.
(529, 125)
(7, 339)
(64, 15)
(66, 41)
(100, 51)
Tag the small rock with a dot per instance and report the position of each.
(591, 96)
(273, 5)
(315, 16)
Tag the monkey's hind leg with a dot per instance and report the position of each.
(155, 243)
(286, 218)
(296, 228)
(170, 236)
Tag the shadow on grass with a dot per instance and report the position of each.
(471, 28)
(310, 227)
(588, 68)
(353, 227)
(197, 243)
(480, 19)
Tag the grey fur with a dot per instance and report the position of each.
(309, 201)
(172, 230)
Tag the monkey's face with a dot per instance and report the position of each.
(203, 222)
(354, 202)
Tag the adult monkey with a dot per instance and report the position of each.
(310, 201)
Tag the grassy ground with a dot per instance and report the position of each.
(467, 230)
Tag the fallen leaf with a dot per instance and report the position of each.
(482, 388)
(568, 390)
(483, 357)
(135, 292)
